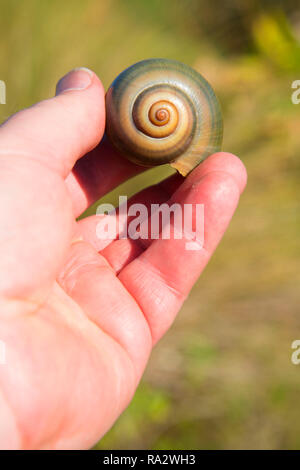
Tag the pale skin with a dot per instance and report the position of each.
(78, 321)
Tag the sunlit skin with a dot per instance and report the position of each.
(78, 321)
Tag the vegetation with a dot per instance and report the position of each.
(222, 378)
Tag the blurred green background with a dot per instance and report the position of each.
(222, 378)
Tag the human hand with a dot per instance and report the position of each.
(79, 324)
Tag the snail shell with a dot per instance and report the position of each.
(162, 111)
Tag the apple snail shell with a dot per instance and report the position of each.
(162, 111)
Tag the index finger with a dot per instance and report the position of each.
(162, 276)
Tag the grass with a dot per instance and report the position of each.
(222, 378)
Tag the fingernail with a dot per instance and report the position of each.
(78, 79)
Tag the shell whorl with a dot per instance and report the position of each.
(161, 111)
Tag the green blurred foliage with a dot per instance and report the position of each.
(274, 38)
(222, 377)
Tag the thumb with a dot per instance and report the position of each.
(60, 130)
(38, 146)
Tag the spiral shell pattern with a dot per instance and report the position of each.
(161, 111)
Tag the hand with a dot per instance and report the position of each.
(79, 324)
